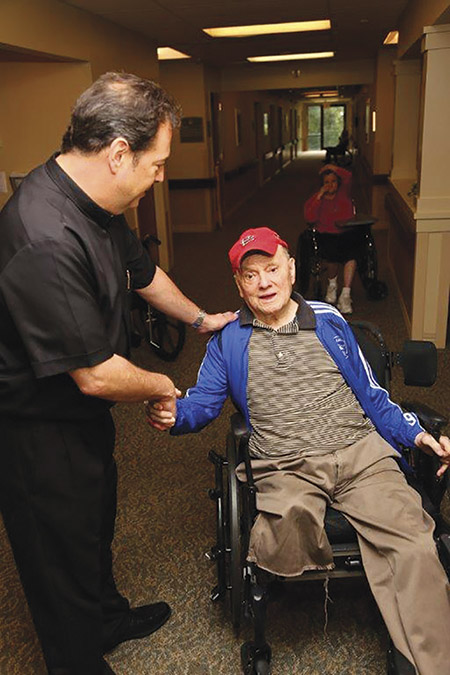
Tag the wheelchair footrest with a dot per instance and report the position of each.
(256, 660)
(397, 664)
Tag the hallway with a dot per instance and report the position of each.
(200, 258)
(166, 521)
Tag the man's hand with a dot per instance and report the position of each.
(161, 414)
(213, 322)
(430, 445)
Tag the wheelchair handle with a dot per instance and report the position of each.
(358, 220)
(148, 240)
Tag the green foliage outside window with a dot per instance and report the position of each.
(325, 125)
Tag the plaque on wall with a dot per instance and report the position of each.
(191, 130)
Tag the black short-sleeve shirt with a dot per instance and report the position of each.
(66, 266)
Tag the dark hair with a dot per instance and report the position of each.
(119, 104)
(327, 173)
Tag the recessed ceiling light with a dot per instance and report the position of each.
(391, 38)
(317, 94)
(166, 53)
(268, 28)
(291, 57)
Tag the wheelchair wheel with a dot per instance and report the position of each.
(377, 290)
(367, 262)
(308, 264)
(236, 584)
(368, 271)
(163, 334)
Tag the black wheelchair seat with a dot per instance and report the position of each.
(337, 528)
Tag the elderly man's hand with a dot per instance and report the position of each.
(161, 414)
(430, 445)
(213, 322)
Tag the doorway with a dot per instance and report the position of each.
(326, 122)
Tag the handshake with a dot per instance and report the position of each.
(161, 414)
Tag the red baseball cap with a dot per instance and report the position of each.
(257, 239)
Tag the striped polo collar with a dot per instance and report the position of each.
(304, 317)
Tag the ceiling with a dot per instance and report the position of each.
(358, 27)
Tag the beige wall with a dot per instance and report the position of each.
(186, 81)
(35, 103)
(362, 133)
(417, 15)
(194, 206)
(238, 155)
(406, 121)
(192, 209)
(384, 108)
(434, 182)
(54, 28)
(36, 98)
(318, 73)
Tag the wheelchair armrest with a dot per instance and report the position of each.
(239, 426)
(430, 419)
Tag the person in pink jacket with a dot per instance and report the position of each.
(328, 207)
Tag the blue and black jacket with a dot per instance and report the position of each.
(224, 373)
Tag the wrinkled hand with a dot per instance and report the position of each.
(161, 413)
(213, 322)
(430, 445)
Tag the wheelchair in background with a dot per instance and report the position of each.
(309, 259)
(247, 588)
(340, 155)
(164, 335)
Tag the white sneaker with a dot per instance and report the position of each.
(345, 304)
(331, 295)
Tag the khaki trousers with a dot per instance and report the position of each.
(364, 482)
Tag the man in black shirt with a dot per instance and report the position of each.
(67, 262)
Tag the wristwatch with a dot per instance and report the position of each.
(200, 318)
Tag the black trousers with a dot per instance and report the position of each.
(58, 499)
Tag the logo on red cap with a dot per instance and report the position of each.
(246, 240)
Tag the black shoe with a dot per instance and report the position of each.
(142, 621)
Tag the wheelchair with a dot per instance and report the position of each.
(309, 260)
(164, 335)
(246, 588)
(339, 154)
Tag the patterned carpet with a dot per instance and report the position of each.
(166, 522)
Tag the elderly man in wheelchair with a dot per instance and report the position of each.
(323, 434)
